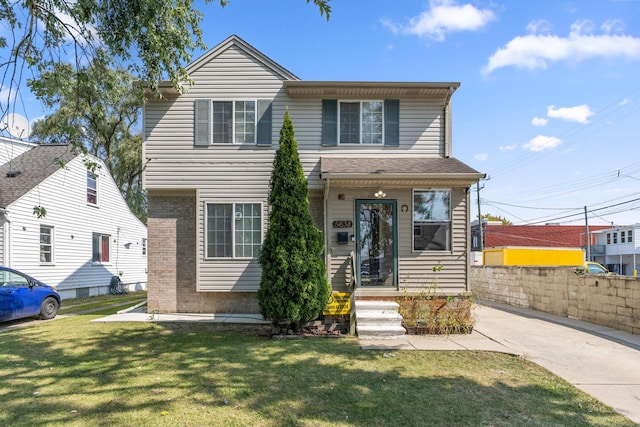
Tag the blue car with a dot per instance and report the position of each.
(23, 296)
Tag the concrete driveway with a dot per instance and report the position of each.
(600, 361)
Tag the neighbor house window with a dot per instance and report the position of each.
(432, 220)
(101, 248)
(629, 238)
(46, 244)
(622, 236)
(92, 188)
(144, 246)
(233, 230)
(615, 237)
(361, 122)
(608, 238)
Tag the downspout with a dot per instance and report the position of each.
(327, 238)
(446, 111)
(6, 259)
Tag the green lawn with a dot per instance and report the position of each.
(75, 373)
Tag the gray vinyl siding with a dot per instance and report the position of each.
(414, 267)
(174, 162)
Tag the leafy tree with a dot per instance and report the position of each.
(156, 37)
(96, 110)
(294, 286)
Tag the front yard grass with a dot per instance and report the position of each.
(75, 373)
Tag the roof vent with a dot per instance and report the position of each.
(13, 174)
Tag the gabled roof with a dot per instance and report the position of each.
(236, 41)
(20, 175)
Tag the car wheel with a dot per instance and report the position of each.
(49, 308)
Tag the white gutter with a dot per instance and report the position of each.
(446, 111)
(6, 241)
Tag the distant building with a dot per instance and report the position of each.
(496, 234)
(618, 249)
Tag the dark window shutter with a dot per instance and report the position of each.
(329, 122)
(264, 128)
(392, 122)
(202, 122)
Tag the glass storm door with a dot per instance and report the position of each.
(376, 248)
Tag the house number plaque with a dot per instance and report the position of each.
(343, 224)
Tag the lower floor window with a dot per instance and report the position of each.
(101, 247)
(432, 220)
(233, 230)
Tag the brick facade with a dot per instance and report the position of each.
(172, 262)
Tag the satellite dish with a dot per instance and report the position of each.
(18, 126)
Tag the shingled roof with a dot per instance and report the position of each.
(396, 166)
(20, 175)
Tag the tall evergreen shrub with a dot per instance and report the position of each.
(294, 287)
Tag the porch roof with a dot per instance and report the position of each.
(397, 167)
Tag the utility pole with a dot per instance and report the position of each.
(588, 240)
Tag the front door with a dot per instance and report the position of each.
(376, 248)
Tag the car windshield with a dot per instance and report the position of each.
(9, 278)
(595, 268)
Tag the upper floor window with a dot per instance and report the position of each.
(46, 244)
(608, 238)
(92, 188)
(432, 220)
(629, 236)
(615, 237)
(622, 236)
(144, 246)
(233, 230)
(361, 122)
(101, 248)
(232, 122)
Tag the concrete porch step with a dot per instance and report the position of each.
(376, 305)
(381, 332)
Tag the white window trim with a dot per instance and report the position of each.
(360, 143)
(233, 123)
(233, 226)
(97, 189)
(52, 244)
(413, 222)
(110, 249)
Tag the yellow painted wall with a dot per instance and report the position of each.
(533, 256)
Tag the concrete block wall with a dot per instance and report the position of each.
(612, 301)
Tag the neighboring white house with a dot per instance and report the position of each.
(384, 187)
(10, 148)
(618, 248)
(88, 234)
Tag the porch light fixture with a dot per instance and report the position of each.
(380, 194)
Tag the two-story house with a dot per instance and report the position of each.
(618, 248)
(383, 185)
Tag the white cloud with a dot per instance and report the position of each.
(539, 121)
(444, 17)
(539, 26)
(612, 26)
(508, 147)
(580, 113)
(625, 101)
(537, 51)
(481, 157)
(541, 143)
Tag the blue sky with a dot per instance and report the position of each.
(549, 102)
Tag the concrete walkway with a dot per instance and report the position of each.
(600, 361)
